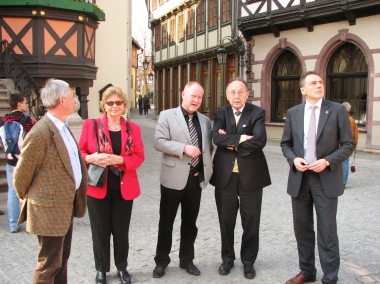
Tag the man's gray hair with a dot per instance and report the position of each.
(347, 106)
(52, 91)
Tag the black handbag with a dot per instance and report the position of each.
(96, 174)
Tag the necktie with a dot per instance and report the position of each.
(194, 139)
(237, 113)
(310, 148)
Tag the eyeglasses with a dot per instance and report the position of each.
(111, 103)
(239, 93)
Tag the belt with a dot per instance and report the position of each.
(193, 171)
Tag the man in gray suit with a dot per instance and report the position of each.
(317, 138)
(183, 135)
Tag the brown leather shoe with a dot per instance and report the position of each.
(300, 278)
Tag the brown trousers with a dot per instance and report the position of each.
(53, 257)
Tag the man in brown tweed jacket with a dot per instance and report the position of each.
(51, 179)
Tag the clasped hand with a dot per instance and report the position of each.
(102, 159)
(302, 165)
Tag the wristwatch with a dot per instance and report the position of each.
(327, 163)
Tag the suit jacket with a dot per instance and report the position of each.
(171, 136)
(44, 179)
(333, 129)
(129, 185)
(253, 168)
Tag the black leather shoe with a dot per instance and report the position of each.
(124, 277)
(190, 268)
(249, 271)
(225, 267)
(101, 277)
(158, 271)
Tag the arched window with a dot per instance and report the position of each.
(286, 93)
(347, 77)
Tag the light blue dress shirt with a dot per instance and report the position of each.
(71, 147)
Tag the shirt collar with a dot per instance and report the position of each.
(58, 123)
(235, 110)
(318, 105)
(185, 113)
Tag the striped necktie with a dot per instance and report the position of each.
(194, 139)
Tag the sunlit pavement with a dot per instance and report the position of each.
(358, 224)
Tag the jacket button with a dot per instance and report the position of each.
(121, 183)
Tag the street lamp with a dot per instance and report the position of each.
(240, 51)
(145, 64)
(151, 75)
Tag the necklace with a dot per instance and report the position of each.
(110, 127)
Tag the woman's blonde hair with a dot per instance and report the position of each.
(113, 91)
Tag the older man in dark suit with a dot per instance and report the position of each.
(240, 174)
(317, 138)
(51, 178)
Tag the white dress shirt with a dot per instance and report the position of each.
(71, 147)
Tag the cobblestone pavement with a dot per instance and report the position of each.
(358, 221)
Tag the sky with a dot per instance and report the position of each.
(139, 20)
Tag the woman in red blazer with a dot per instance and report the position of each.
(110, 206)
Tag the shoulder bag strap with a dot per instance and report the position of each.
(96, 134)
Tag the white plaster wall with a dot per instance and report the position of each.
(256, 88)
(181, 48)
(310, 64)
(200, 42)
(226, 31)
(365, 28)
(113, 61)
(375, 135)
(164, 54)
(376, 87)
(172, 51)
(190, 45)
(376, 57)
(157, 56)
(256, 70)
(213, 38)
(376, 111)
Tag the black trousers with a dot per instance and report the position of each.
(312, 194)
(190, 199)
(228, 200)
(53, 258)
(110, 215)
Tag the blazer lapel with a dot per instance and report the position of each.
(244, 116)
(61, 146)
(323, 116)
(299, 121)
(231, 122)
(178, 115)
(203, 124)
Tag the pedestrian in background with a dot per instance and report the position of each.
(240, 174)
(140, 104)
(355, 132)
(316, 140)
(110, 206)
(19, 106)
(183, 135)
(51, 179)
(146, 104)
